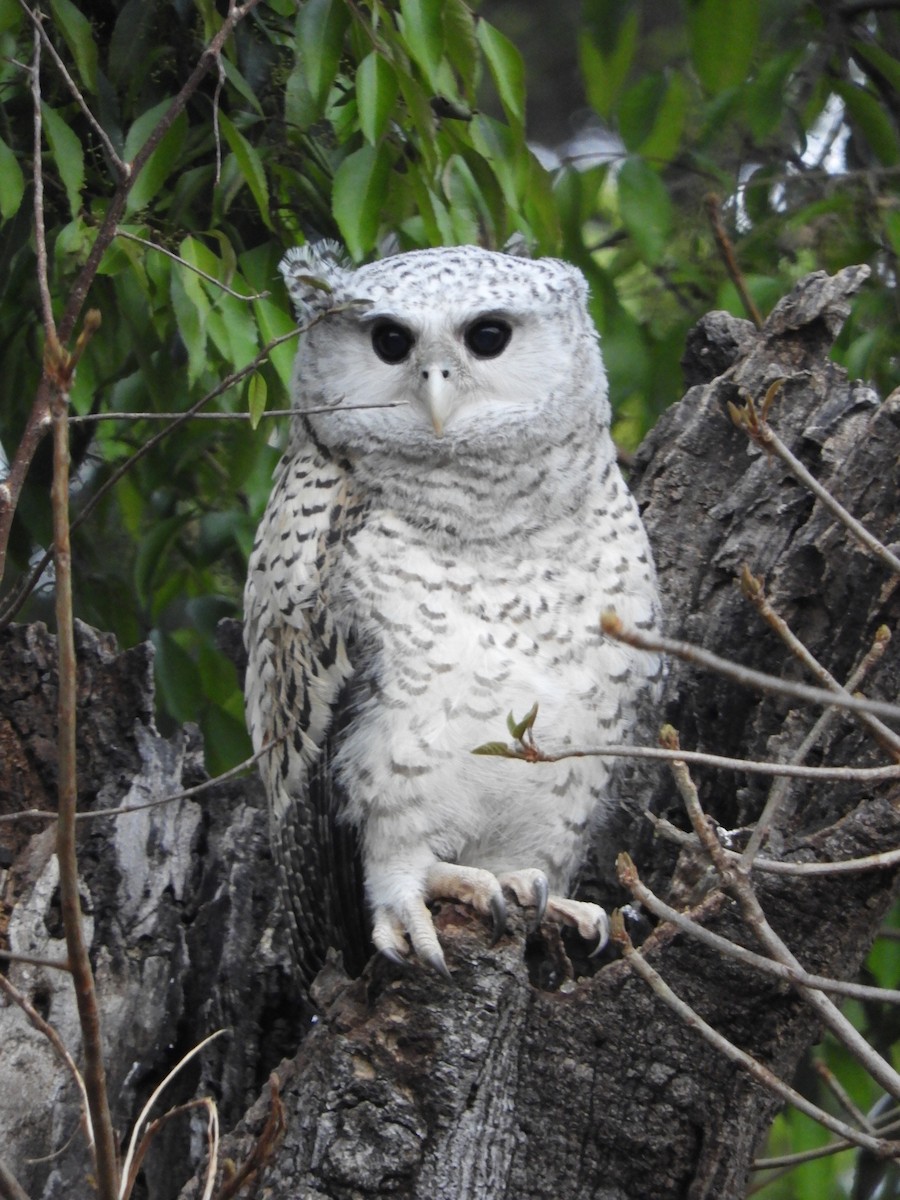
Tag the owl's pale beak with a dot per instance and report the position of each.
(438, 394)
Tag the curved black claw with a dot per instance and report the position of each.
(393, 956)
(498, 916)
(436, 962)
(540, 894)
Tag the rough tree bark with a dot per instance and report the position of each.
(520, 1078)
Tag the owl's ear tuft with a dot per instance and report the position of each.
(315, 276)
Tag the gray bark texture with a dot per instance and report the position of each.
(532, 1074)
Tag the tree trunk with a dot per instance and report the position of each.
(525, 1076)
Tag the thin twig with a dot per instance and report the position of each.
(10, 1188)
(22, 592)
(886, 738)
(761, 1073)
(118, 165)
(746, 676)
(842, 1096)
(92, 418)
(726, 251)
(212, 1136)
(43, 1027)
(124, 809)
(629, 878)
(32, 960)
(737, 883)
(70, 901)
(873, 862)
(753, 422)
(133, 237)
(40, 236)
(128, 1169)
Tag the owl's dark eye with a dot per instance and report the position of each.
(488, 338)
(391, 342)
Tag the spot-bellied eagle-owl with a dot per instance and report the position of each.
(445, 529)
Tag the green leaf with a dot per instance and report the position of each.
(885, 64)
(498, 144)
(68, 156)
(652, 116)
(360, 189)
(10, 15)
(763, 99)
(256, 398)
(321, 25)
(461, 43)
(518, 729)
(191, 307)
(423, 33)
(645, 208)
(605, 69)
(495, 749)
(177, 678)
(79, 37)
(376, 94)
(161, 162)
(871, 119)
(507, 70)
(250, 165)
(12, 182)
(723, 36)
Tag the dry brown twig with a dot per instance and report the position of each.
(618, 934)
(736, 881)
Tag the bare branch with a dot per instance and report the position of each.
(70, 901)
(118, 165)
(885, 737)
(133, 237)
(774, 866)
(737, 882)
(746, 676)
(93, 418)
(712, 203)
(40, 234)
(130, 1165)
(754, 423)
(10, 1188)
(761, 1073)
(629, 878)
(56, 1042)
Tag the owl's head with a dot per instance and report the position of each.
(438, 351)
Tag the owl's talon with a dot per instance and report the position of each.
(531, 889)
(540, 894)
(393, 956)
(498, 915)
(438, 963)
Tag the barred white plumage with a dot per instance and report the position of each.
(445, 529)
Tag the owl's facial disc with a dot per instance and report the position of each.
(439, 371)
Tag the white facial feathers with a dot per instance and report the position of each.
(453, 346)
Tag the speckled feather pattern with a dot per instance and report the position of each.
(408, 590)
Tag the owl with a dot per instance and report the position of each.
(444, 531)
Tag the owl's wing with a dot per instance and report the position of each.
(298, 671)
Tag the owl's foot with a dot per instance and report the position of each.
(409, 917)
(406, 922)
(530, 889)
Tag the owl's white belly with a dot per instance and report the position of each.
(456, 643)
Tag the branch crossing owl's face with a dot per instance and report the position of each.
(442, 350)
